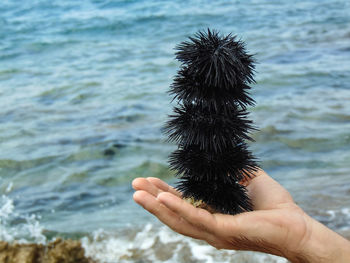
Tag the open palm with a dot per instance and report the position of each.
(277, 225)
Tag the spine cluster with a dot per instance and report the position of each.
(210, 123)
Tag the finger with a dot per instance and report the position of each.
(266, 193)
(168, 217)
(163, 186)
(144, 184)
(196, 216)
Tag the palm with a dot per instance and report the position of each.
(275, 222)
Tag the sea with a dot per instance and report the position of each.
(84, 95)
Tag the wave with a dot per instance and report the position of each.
(152, 243)
(148, 242)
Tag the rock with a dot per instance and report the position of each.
(58, 251)
(109, 152)
(23, 253)
(119, 145)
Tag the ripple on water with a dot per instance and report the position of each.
(77, 79)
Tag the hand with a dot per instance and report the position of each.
(276, 226)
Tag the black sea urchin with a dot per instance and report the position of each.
(210, 123)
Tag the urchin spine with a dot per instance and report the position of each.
(210, 124)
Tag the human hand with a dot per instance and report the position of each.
(276, 226)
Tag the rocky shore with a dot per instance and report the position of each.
(58, 251)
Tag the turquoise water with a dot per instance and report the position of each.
(83, 97)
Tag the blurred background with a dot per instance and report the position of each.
(83, 95)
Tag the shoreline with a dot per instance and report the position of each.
(73, 251)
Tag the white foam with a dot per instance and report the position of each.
(9, 187)
(34, 229)
(345, 211)
(160, 244)
(29, 230)
(6, 207)
(331, 214)
(143, 240)
(104, 248)
(202, 252)
(339, 218)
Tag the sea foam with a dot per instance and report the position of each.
(17, 227)
(156, 243)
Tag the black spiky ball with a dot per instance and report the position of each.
(210, 123)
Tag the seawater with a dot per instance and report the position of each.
(83, 95)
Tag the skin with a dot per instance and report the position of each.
(276, 226)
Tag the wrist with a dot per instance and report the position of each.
(320, 244)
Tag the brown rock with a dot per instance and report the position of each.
(58, 251)
(25, 253)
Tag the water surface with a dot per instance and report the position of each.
(83, 99)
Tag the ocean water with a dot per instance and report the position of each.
(83, 95)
